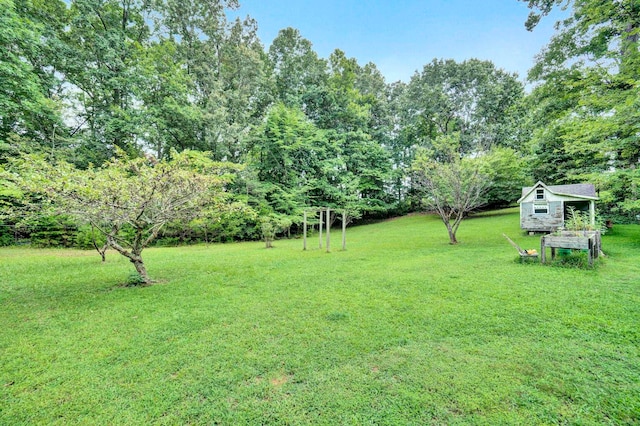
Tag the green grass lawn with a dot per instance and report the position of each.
(401, 328)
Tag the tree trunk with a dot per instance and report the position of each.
(142, 270)
(134, 257)
(452, 234)
(103, 252)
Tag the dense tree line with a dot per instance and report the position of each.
(85, 79)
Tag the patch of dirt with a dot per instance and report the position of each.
(279, 381)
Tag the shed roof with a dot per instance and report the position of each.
(579, 190)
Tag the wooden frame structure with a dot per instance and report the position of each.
(326, 211)
(587, 242)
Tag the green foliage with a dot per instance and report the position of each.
(578, 220)
(23, 101)
(452, 186)
(585, 109)
(87, 237)
(134, 280)
(157, 76)
(574, 259)
(472, 98)
(298, 71)
(508, 172)
(139, 195)
(6, 235)
(619, 194)
(298, 165)
(50, 231)
(271, 225)
(235, 221)
(288, 150)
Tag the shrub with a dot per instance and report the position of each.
(135, 279)
(86, 236)
(578, 220)
(51, 231)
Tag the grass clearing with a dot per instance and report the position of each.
(401, 328)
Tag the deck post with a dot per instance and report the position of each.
(344, 230)
(328, 227)
(304, 231)
(320, 230)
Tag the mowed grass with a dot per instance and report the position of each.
(401, 328)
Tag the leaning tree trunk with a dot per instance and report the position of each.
(134, 257)
(101, 250)
(142, 270)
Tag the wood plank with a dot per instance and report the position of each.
(304, 244)
(578, 243)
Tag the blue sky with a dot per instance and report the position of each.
(402, 36)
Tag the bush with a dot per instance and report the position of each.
(86, 236)
(134, 279)
(50, 231)
(574, 259)
(7, 237)
(271, 225)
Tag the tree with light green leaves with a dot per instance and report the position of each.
(452, 185)
(127, 200)
(228, 70)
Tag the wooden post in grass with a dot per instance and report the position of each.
(328, 230)
(320, 230)
(344, 229)
(304, 231)
(324, 220)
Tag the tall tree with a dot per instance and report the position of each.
(104, 41)
(289, 155)
(228, 67)
(300, 75)
(473, 98)
(171, 119)
(291, 161)
(354, 93)
(28, 104)
(588, 78)
(245, 87)
(401, 143)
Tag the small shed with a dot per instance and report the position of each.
(543, 208)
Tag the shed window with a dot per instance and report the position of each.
(540, 194)
(541, 209)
